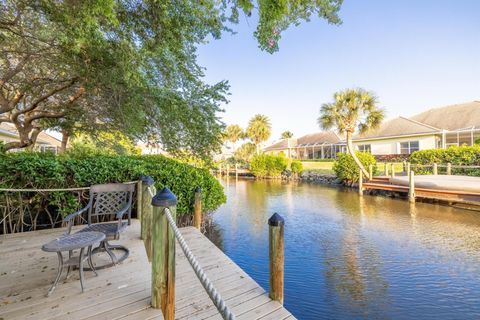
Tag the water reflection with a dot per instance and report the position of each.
(356, 257)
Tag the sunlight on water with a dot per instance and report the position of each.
(351, 257)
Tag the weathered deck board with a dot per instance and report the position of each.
(122, 292)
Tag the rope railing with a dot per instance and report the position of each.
(53, 189)
(206, 283)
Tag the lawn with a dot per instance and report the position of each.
(398, 166)
(318, 166)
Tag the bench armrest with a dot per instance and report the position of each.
(71, 216)
(122, 212)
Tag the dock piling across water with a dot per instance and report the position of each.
(276, 255)
(411, 187)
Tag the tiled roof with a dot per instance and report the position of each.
(324, 137)
(397, 127)
(454, 117)
(319, 138)
(282, 144)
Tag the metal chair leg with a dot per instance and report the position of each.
(59, 273)
(90, 262)
(80, 267)
(109, 248)
(110, 253)
(70, 267)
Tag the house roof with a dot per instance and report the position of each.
(397, 127)
(43, 138)
(282, 144)
(319, 138)
(454, 117)
(323, 137)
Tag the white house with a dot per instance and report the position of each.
(45, 142)
(435, 128)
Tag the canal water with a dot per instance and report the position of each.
(351, 257)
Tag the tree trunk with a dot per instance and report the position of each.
(65, 137)
(351, 150)
(27, 138)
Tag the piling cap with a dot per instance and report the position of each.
(147, 180)
(198, 189)
(276, 220)
(164, 198)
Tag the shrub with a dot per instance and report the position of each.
(456, 155)
(296, 166)
(40, 170)
(347, 170)
(265, 165)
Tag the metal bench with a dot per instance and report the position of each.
(107, 201)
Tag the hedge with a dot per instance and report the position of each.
(45, 170)
(265, 165)
(456, 155)
(347, 170)
(296, 166)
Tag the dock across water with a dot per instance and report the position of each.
(452, 189)
(123, 291)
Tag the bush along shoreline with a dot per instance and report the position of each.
(345, 170)
(43, 170)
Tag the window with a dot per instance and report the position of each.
(365, 148)
(409, 147)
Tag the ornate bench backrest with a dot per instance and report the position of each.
(109, 199)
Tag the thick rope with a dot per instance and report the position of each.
(212, 292)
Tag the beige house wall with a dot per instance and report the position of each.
(392, 145)
(7, 138)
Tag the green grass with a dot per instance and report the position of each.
(323, 167)
(398, 166)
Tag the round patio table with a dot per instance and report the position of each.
(69, 243)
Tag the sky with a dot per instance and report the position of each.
(414, 55)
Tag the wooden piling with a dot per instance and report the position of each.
(276, 255)
(163, 258)
(449, 168)
(370, 172)
(197, 217)
(435, 169)
(386, 169)
(360, 183)
(139, 203)
(146, 222)
(411, 187)
(408, 168)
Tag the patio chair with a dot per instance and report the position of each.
(107, 201)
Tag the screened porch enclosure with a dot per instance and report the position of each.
(463, 137)
(312, 151)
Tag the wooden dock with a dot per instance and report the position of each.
(453, 196)
(123, 291)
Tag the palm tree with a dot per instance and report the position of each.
(233, 133)
(259, 130)
(351, 110)
(286, 135)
